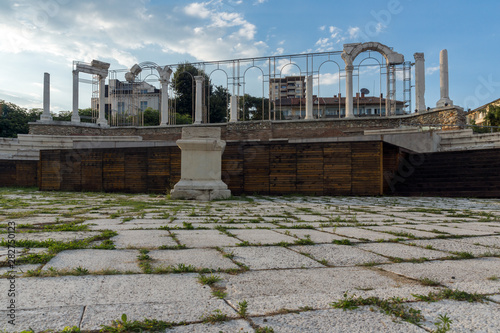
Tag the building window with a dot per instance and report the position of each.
(121, 107)
(144, 91)
(144, 105)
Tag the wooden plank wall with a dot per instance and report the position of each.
(247, 167)
(22, 173)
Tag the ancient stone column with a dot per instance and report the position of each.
(75, 117)
(46, 98)
(309, 98)
(101, 121)
(165, 81)
(419, 82)
(198, 106)
(234, 109)
(444, 83)
(349, 109)
(201, 165)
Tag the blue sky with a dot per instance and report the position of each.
(47, 35)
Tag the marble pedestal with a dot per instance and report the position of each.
(201, 165)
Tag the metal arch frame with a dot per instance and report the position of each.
(319, 81)
(192, 92)
(227, 87)
(280, 76)
(244, 86)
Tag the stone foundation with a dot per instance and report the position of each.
(266, 130)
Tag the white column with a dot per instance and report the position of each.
(444, 83)
(309, 97)
(102, 102)
(234, 109)
(46, 98)
(419, 82)
(165, 81)
(75, 117)
(349, 110)
(198, 107)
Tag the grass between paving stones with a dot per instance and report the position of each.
(394, 306)
(55, 247)
(456, 295)
(146, 325)
(215, 317)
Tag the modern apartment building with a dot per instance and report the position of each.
(287, 87)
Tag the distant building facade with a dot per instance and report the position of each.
(478, 116)
(287, 87)
(125, 98)
(334, 107)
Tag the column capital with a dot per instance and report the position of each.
(349, 68)
(419, 56)
(199, 78)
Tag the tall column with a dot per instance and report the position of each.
(419, 82)
(165, 81)
(46, 98)
(75, 117)
(198, 106)
(309, 97)
(443, 80)
(349, 110)
(102, 102)
(234, 109)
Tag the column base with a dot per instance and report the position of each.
(200, 190)
(75, 119)
(45, 118)
(102, 122)
(444, 102)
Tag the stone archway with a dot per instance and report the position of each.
(351, 51)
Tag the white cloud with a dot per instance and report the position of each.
(431, 70)
(354, 32)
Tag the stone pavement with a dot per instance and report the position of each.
(249, 264)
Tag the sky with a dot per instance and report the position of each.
(40, 36)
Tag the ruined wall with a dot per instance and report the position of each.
(265, 130)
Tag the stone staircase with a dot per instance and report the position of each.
(28, 146)
(467, 140)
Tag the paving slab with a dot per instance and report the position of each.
(315, 235)
(199, 258)
(404, 230)
(42, 219)
(361, 234)
(451, 245)
(19, 252)
(262, 236)
(336, 320)
(270, 257)
(147, 239)
(493, 241)
(42, 318)
(465, 316)
(96, 260)
(457, 231)
(204, 238)
(479, 226)
(227, 327)
(62, 236)
(269, 291)
(495, 298)
(467, 275)
(397, 250)
(164, 297)
(340, 255)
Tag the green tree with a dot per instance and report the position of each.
(151, 117)
(219, 98)
(184, 86)
(252, 107)
(14, 119)
(493, 116)
(62, 116)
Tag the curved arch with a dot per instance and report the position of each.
(351, 51)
